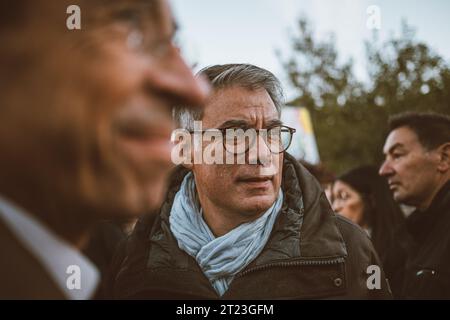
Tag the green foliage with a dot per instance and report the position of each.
(350, 117)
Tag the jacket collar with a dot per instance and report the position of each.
(419, 223)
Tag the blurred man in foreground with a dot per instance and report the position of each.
(85, 134)
(261, 228)
(417, 167)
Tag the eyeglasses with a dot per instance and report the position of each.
(142, 35)
(239, 140)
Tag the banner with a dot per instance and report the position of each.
(303, 145)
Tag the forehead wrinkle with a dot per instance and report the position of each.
(255, 116)
(238, 103)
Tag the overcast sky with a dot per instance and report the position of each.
(231, 31)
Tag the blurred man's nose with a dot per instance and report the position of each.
(174, 79)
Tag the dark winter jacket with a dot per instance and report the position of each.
(311, 253)
(420, 257)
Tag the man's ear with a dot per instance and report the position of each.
(189, 163)
(189, 156)
(182, 152)
(444, 157)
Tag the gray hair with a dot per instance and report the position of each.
(228, 75)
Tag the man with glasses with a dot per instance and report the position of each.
(85, 134)
(259, 230)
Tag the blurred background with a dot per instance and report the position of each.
(345, 65)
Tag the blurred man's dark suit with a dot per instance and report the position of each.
(21, 275)
(36, 263)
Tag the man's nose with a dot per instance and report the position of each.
(336, 207)
(173, 79)
(385, 169)
(263, 156)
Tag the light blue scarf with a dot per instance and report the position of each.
(219, 258)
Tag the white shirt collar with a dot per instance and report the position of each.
(56, 255)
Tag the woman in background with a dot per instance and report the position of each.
(362, 196)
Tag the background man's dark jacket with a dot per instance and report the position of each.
(420, 258)
(311, 253)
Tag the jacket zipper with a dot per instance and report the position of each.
(292, 264)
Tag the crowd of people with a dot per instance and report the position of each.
(87, 178)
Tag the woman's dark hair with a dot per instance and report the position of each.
(320, 172)
(381, 213)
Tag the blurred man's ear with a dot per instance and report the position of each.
(444, 157)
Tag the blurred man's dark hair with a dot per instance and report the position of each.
(12, 13)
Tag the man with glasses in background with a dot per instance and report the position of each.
(262, 229)
(85, 133)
